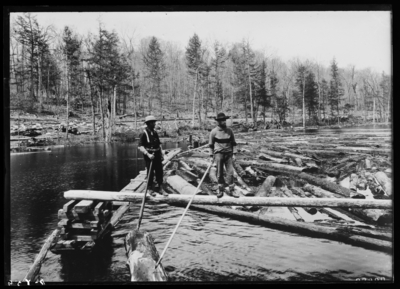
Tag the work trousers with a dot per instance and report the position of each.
(156, 168)
(220, 160)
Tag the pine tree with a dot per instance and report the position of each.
(155, 67)
(262, 96)
(336, 90)
(218, 64)
(299, 95)
(324, 96)
(251, 67)
(71, 50)
(273, 91)
(34, 41)
(194, 54)
(240, 76)
(311, 97)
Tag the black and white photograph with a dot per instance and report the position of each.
(182, 145)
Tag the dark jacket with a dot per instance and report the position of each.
(149, 140)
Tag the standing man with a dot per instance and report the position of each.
(221, 144)
(150, 146)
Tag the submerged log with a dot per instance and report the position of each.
(142, 257)
(301, 228)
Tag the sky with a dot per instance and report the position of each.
(355, 38)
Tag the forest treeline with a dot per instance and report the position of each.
(109, 75)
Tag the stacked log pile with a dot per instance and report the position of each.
(81, 222)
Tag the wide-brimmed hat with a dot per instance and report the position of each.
(149, 118)
(221, 116)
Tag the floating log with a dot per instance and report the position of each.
(382, 179)
(142, 257)
(242, 183)
(185, 165)
(318, 192)
(265, 188)
(228, 201)
(264, 156)
(364, 150)
(179, 184)
(279, 168)
(283, 155)
(239, 170)
(170, 155)
(35, 268)
(203, 188)
(329, 186)
(212, 175)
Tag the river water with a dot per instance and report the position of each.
(206, 247)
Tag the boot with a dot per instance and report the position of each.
(218, 192)
(152, 193)
(157, 187)
(233, 192)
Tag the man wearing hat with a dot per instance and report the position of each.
(150, 146)
(221, 144)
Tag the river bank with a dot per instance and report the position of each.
(32, 133)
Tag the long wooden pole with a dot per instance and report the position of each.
(144, 196)
(229, 201)
(35, 268)
(180, 220)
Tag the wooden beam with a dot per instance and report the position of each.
(230, 201)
